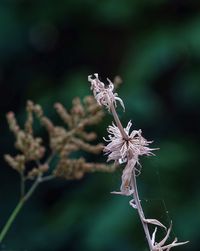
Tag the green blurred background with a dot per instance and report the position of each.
(47, 50)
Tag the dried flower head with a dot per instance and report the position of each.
(26, 142)
(120, 149)
(104, 95)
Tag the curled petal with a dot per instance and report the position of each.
(121, 102)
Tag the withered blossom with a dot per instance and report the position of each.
(104, 95)
(160, 246)
(120, 149)
(126, 187)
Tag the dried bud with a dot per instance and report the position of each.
(17, 162)
(29, 121)
(65, 116)
(14, 127)
(77, 107)
(70, 168)
(58, 138)
(87, 136)
(33, 173)
(117, 81)
(46, 122)
(43, 168)
(38, 111)
(76, 168)
(87, 147)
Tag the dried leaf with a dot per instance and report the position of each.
(154, 222)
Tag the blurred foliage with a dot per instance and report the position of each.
(47, 50)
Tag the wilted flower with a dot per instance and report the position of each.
(126, 150)
(120, 149)
(160, 246)
(126, 187)
(104, 95)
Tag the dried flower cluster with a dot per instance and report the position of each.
(34, 161)
(126, 147)
(63, 141)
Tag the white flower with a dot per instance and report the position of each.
(120, 149)
(104, 95)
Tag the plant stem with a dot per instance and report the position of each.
(134, 183)
(47, 178)
(32, 189)
(22, 184)
(18, 208)
(118, 122)
(11, 219)
(140, 210)
(133, 180)
(25, 196)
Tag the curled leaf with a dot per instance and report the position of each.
(133, 204)
(154, 222)
(160, 246)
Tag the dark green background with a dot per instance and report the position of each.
(47, 50)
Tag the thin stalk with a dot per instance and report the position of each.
(47, 178)
(140, 210)
(25, 197)
(32, 189)
(118, 122)
(134, 183)
(50, 158)
(22, 184)
(11, 219)
(17, 209)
